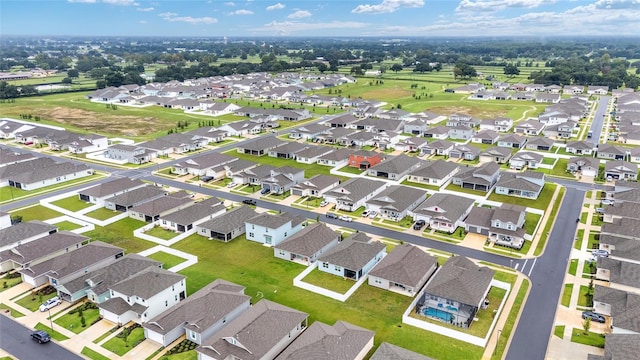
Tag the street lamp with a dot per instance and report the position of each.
(495, 349)
(50, 320)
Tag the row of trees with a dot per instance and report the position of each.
(602, 71)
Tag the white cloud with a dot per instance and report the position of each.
(299, 14)
(497, 5)
(242, 12)
(277, 6)
(82, 1)
(167, 14)
(230, 3)
(111, 2)
(142, 22)
(173, 17)
(296, 27)
(146, 9)
(387, 6)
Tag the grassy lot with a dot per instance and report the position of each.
(420, 185)
(13, 312)
(102, 214)
(589, 338)
(72, 322)
(106, 335)
(93, 355)
(168, 261)
(33, 302)
(67, 225)
(255, 267)
(453, 187)
(583, 217)
(72, 203)
(8, 283)
(351, 170)
(405, 222)
(542, 202)
(588, 269)
(573, 266)
(120, 234)
(548, 161)
(596, 220)
(559, 331)
(594, 240)
(118, 346)
(530, 222)
(582, 299)
(328, 281)
(566, 295)
(511, 320)
(187, 355)
(54, 334)
(37, 212)
(161, 233)
(547, 228)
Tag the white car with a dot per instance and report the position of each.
(53, 302)
(600, 252)
(345, 218)
(373, 214)
(324, 203)
(231, 184)
(366, 213)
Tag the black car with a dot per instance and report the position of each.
(419, 224)
(40, 336)
(249, 202)
(332, 216)
(593, 316)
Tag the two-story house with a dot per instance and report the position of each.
(272, 229)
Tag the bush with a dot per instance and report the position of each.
(183, 346)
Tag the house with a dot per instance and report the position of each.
(525, 159)
(617, 272)
(502, 225)
(539, 143)
(336, 158)
(513, 141)
(587, 166)
(198, 166)
(618, 169)
(311, 154)
(405, 270)
(485, 137)
(622, 306)
(435, 173)
(580, 148)
(185, 219)
(443, 212)
(621, 210)
(269, 229)
(261, 332)
(130, 153)
(308, 244)
(365, 159)
(282, 179)
(253, 175)
(388, 351)
(548, 98)
(260, 146)
(200, 316)
(227, 226)
(461, 132)
(499, 124)
(573, 89)
(527, 184)
(563, 130)
(464, 152)
(353, 193)
(456, 292)
(39, 173)
(210, 133)
(395, 168)
(622, 248)
(340, 341)
(241, 128)
(152, 210)
(396, 201)
(128, 199)
(411, 144)
(307, 132)
(481, 178)
(315, 186)
(175, 144)
(99, 193)
(353, 257)
(499, 155)
(597, 90)
(529, 127)
(287, 150)
(143, 296)
(334, 136)
(437, 147)
(619, 346)
(71, 265)
(10, 157)
(39, 250)
(341, 121)
(23, 233)
(611, 152)
(438, 132)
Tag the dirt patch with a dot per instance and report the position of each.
(475, 112)
(388, 93)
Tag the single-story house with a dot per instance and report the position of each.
(308, 244)
(527, 184)
(436, 173)
(315, 186)
(353, 257)
(353, 193)
(443, 212)
(227, 226)
(97, 194)
(405, 270)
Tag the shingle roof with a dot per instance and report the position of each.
(440, 205)
(438, 169)
(406, 265)
(621, 346)
(147, 283)
(397, 198)
(158, 206)
(621, 272)
(118, 306)
(230, 220)
(388, 351)
(206, 161)
(461, 280)
(356, 188)
(309, 240)
(49, 172)
(263, 143)
(195, 212)
(516, 181)
(398, 165)
(622, 227)
(353, 254)
(41, 247)
(111, 187)
(272, 221)
(24, 230)
(625, 306)
(342, 341)
(136, 195)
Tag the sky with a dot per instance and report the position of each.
(304, 18)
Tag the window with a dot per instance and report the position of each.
(192, 334)
(166, 303)
(128, 299)
(164, 222)
(204, 231)
(251, 235)
(176, 297)
(281, 252)
(337, 268)
(173, 288)
(285, 234)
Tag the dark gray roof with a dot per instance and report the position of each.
(406, 265)
(136, 196)
(540, 140)
(147, 283)
(447, 206)
(49, 172)
(256, 331)
(263, 143)
(12, 170)
(202, 309)
(399, 164)
(497, 151)
(337, 155)
(206, 161)
(625, 306)
(627, 248)
(622, 227)
(118, 306)
(353, 254)
(230, 220)
(195, 212)
(272, 221)
(8, 156)
(318, 182)
(517, 181)
(479, 216)
(621, 272)
(624, 209)
(239, 165)
(461, 280)
(41, 247)
(311, 151)
(527, 156)
(309, 240)
(111, 187)
(621, 346)
(158, 206)
(438, 169)
(620, 166)
(397, 198)
(388, 351)
(356, 188)
(342, 341)
(21, 231)
(289, 148)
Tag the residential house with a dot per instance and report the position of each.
(210, 133)
(23, 233)
(198, 166)
(465, 152)
(587, 166)
(499, 124)
(334, 136)
(341, 121)
(611, 152)
(261, 332)
(340, 341)
(502, 225)
(395, 168)
(128, 199)
(336, 158)
(456, 292)
(499, 155)
(553, 117)
(287, 150)
(539, 143)
(618, 169)
(461, 132)
(42, 172)
(175, 144)
(242, 128)
(573, 89)
(405, 270)
(527, 184)
(227, 226)
(152, 210)
(316, 186)
(621, 248)
(481, 178)
(443, 212)
(622, 306)
(312, 154)
(39, 250)
(353, 257)
(438, 132)
(580, 148)
(185, 219)
(99, 193)
(282, 179)
(597, 90)
(565, 130)
(253, 175)
(388, 351)
(269, 229)
(365, 159)
(143, 296)
(353, 193)
(435, 173)
(10, 157)
(513, 141)
(485, 137)
(529, 127)
(621, 210)
(260, 146)
(617, 272)
(437, 147)
(307, 132)
(131, 153)
(200, 316)
(308, 244)
(396, 201)
(619, 346)
(548, 98)
(411, 144)
(525, 159)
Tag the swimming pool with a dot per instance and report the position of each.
(438, 314)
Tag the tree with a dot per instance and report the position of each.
(73, 73)
(322, 67)
(101, 84)
(586, 325)
(8, 91)
(396, 67)
(67, 80)
(511, 70)
(423, 67)
(463, 70)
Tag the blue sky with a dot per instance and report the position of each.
(541, 18)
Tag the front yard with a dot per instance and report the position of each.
(72, 320)
(123, 342)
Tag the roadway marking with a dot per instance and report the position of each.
(524, 264)
(516, 267)
(532, 265)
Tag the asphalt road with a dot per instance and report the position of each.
(16, 340)
(598, 119)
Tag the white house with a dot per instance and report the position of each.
(269, 229)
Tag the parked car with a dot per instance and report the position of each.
(324, 203)
(373, 214)
(231, 184)
(40, 336)
(345, 218)
(332, 216)
(249, 202)
(366, 213)
(600, 210)
(600, 252)
(265, 191)
(593, 316)
(206, 178)
(419, 224)
(609, 178)
(51, 303)
(607, 202)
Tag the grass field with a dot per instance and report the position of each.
(37, 212)
(73, 323)
(54, 334)
(102, 214)
(161, 233)
(566, 295)
(120, 234)
(329, 281)
(588, 338)
(67, 225)
(93, 355)
(118, 346)
(542, 202)
(168, 261)
(72, 203)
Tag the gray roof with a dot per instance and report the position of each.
(195, 212)
(41, 247)
(21, 231)
(118, 306)
(169, 141)
(272, 221)
(398, 165)
(136, 196)
(289, 148)
(628, 248)
(461, 280)
(438, 169)
(397, 198)
(312, 151)
(239, 165)
(263, 143)
(479, 216)
(76, 260)
(540, 141)
(447, 206)
(388, 351)
(611, 149)
(513, 138)
(620, 166)
(206, 161)
(406, 264)
(621, 346)
(12, 170)
(342, 341)
(487, 134)
(584, 161)
(527, 156)
(310, 240)
(625, 306)
(8, 156)
(622, 227)
(624, 209)
(353, 254)
(202, 309)
(517, 181)
(165, 203)
(147, 283)
(318, 182)
(497, 151)
(356, 188)
(621, 272)
(111, 187)
(48, 172)
(257, 331)
(337, 155)
(230, 220)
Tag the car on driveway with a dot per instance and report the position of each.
(600, 252)
(607, 202)
(345, 218)
(593, 316)
(51, 303)
(419, 224)
(231, 184)
(40, 336)
(373, 214)
(249, 202)
(600, 210)
(366, 213)
(324, 203)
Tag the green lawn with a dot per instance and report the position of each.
(530, 222)
(550, 223)
(578, 243)
(351, 170)
(13, 312)
(120, 234)
(590, 338)
(168, 261)
(583, 217)
(582, 300)
(67, 225)
(458, 188)
(7, 283)
(37, 212)
(505, 334)
(420, 185)
(93, 355)
(255, 267)
(117, 345)
(558, 331)
(594, 240)
(596, 220)
(329, 281)
(548, 161)
(161, 233)
(54, 334)
(73, 323)
(187, 355)
(405, 222)
(33, 302)
(589, 268)
(542, 202)
(102, 214)
(72, 203)
(566, 295)
(559, 169)
(573, 266)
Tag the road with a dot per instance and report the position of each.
(598, 119)
(15, 339)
